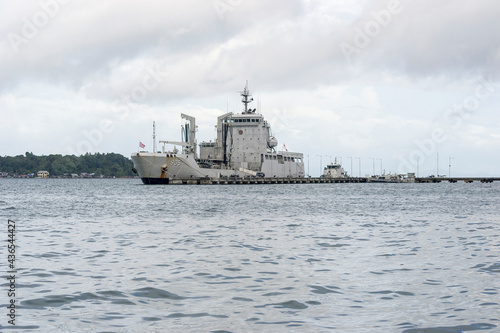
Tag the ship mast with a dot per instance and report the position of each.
(154, 137)
(246, 98)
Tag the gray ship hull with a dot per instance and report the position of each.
(160, 168)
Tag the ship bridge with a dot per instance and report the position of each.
(245, 119)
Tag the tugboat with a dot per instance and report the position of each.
(244, 147)
(333, 170)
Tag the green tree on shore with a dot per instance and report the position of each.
(109, 164)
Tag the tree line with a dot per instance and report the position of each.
(109, 164)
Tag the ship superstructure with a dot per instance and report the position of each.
(244, 147)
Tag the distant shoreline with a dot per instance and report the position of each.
(96, 165)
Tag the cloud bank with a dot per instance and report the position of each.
(368, 79)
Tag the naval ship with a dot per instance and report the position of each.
(244, 147)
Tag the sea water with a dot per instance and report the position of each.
(114, 255)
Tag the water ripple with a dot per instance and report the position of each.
(453, 329)
(118, 256)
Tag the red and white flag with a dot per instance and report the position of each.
(284, 147)
(142, 145)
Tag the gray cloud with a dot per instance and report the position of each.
(290, 44)
(425, 58)
(434, 38)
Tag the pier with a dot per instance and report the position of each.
(456, 179)
(274, 180)
(315, 180)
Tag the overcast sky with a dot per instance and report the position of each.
(396, 82)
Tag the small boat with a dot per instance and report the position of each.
(334, 170)
(390, 178)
